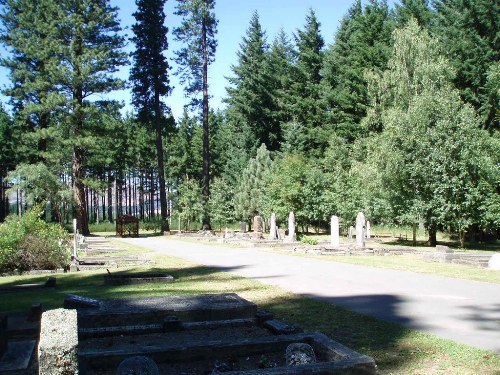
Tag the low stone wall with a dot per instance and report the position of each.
(58, 346)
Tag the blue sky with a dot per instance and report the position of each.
(234, 17)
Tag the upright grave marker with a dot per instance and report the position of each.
(291, 227)
(360, 230)
(273, 233)
(335, 240)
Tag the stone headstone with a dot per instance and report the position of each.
(138, 365)
(350, 232)
(291, 228)
(58, 345)
(258, 224)
(334, 224)
(360, 230)
(368, 230)
(243, 227)
(273, 232)
(494, 262)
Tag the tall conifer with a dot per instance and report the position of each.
(197, 33)
(149, 76)
(76, 47)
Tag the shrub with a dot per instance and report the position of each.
(31, 243)
(308, 240)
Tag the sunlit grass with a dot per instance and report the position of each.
(396, 350)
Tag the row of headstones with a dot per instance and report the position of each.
(274, 233)
(362, 229)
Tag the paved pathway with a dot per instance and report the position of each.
(461, 310)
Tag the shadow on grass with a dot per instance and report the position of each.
(387, 342)
(188, 280)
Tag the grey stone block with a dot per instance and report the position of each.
(58, 346)
(72, 301)
(281, 328)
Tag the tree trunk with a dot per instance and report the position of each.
(462, 238)
(79, 192)
(206, 139)
(110, 199)
(161, 166)
(414, 234)
(432, 229)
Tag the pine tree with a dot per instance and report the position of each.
(420, 10)
(249, 94)
(149, 76)
(470, 34)
(7, 157)
(305, 91)
(281, 58)
(197, 33)
(362, 43)
(248, 199)
(76, 48)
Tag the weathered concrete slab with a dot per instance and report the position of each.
(17, 356)
(153, 310)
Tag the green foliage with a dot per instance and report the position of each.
(189, 204)
(7, 154)
(305, 90)
(197, 35)
(248, 197)
(185, 150)
(470, 38)
(41, 185)
(63, 54)
(308, 240)
(31, 243)
(220, 205)
(433, 161)
(362, 42)
(250, 94)
(149, 73)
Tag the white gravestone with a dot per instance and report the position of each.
(360, 230)
(335, 240)
(368, 230)
(349, 233)
(273, 230)
(291, 227)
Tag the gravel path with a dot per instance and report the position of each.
(460, 310)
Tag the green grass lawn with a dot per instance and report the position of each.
(396, 350)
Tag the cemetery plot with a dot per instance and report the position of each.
(203, 334)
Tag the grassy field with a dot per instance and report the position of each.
(397, 350)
